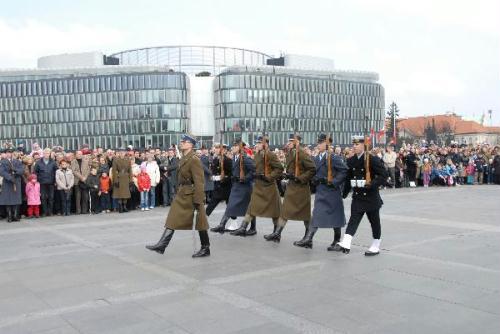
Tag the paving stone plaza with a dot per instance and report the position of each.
(438, 272)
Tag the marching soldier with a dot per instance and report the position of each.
(189, 198)
(221, 176)
(242, 174)
(328, 205)
(365, 175)
(297, 202)
(265, 200)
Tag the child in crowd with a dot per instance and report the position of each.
(104, 188)
(33, 197)
(471, 172)
(451, 172)
(65, 181)
(92, 183)
(462, 175)
(144, 185)
(427, 170)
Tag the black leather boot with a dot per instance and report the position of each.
(276, 235)
(204, 251)
(336, 240)
(242, 231)
(307, 242)
(252, 230)
(120, 207)
(221, 228)
(9, 214)
(160, 246)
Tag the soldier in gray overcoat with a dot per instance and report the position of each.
(11, 171)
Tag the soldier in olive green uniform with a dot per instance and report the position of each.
(297, 201)
(189, 198)
(265, 200)
(122, 178)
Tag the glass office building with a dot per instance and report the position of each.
(156, 94)
(110, 110)
(252, 100)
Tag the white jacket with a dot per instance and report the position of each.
(153, 171)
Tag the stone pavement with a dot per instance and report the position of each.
(439, 272)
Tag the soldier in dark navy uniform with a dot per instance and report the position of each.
(242, 174)
(221, 176)
(365, 198)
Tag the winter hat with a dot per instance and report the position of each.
(32, 177)
(143, 168)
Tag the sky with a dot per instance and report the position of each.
(433, 57)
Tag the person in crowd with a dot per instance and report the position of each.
(33, 197)
(65, 182)
(144, 187)
(122, 180)
(389, 159)
(471, 172)
(92, 183)
(45, 170)
(426, 172)
(151, 166)
(80, 166)
(104, 192)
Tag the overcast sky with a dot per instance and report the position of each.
(432, 56)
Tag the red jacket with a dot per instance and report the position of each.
(143, 182)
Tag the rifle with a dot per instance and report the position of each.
(242, 171)
(329, 178)
(297, 147)
(266, 151)
(368, 179)
(221, 161)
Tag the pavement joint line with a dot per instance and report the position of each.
(442, 222)
(442, 280)
(443, 262)
(264, 272)
(93, 304)
(441, 238)
(442, 300)
(276, 315)
(284, 318)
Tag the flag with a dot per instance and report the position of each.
(380, 134)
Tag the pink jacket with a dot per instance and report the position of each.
(33, 193)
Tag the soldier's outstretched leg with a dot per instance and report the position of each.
(336, 239)
(279, 225)
(374, 219)
(306, 226)
(352, 226)
(242, 230)
(307, 242)
(205, 245)
(160, 246)
(252, 230)
(221, 228)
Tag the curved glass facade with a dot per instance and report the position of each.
(246, 101)
(192, 59)
(110, 111)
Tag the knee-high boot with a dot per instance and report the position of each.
(307, 242)
(222, 225)
(160, 246)
(252, 230)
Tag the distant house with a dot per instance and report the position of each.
(442, 129)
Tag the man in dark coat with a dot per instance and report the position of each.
(121, 174)
(365, 197)
(169, 172)
(265, 200)
(206, 161)
(11, 171)
(297, 199)
(45, 170)
(328, 210)
(189, 199)
(221, 176)
(242, 174)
